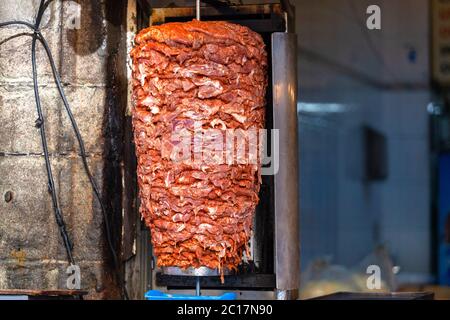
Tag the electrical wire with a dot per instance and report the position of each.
(40, 123)
(16, 22)
(82, 153)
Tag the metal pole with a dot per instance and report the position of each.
(197, 9)
(284, 83)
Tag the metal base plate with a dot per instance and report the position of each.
(249, 281)
(197, 272)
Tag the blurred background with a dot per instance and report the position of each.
(374, 138)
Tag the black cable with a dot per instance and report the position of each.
(82, 148)
(17, 35)
(82, 152)
(40, 123)
(78, 136)
(16, 22)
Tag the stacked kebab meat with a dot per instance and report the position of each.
(188, 77)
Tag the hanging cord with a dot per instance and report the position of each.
(40, 123)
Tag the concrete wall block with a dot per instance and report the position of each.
(25, 223)
(84, 50)
(81, 209)
(15, 56)
(17, 118)
(18, 114)
(88, 105)
(32, 255)
(22, 276)
(51, 275)
(28, 230)
(79, 35)
(26, 10)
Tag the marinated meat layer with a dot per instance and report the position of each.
(195, 84)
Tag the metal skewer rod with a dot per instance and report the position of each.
(197, 287)
(197, 9)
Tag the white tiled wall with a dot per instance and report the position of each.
(405, 211)
(318, 176)
(341, 214)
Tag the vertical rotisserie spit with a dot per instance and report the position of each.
(196, 87)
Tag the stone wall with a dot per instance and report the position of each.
(91, 62)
